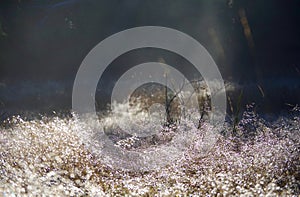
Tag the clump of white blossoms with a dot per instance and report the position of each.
(46, 157)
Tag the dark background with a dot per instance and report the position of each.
(42, 44)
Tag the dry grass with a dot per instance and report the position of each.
(46, 157)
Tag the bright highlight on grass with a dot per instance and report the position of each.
(46, 156)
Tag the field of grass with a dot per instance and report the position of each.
(46, 156)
